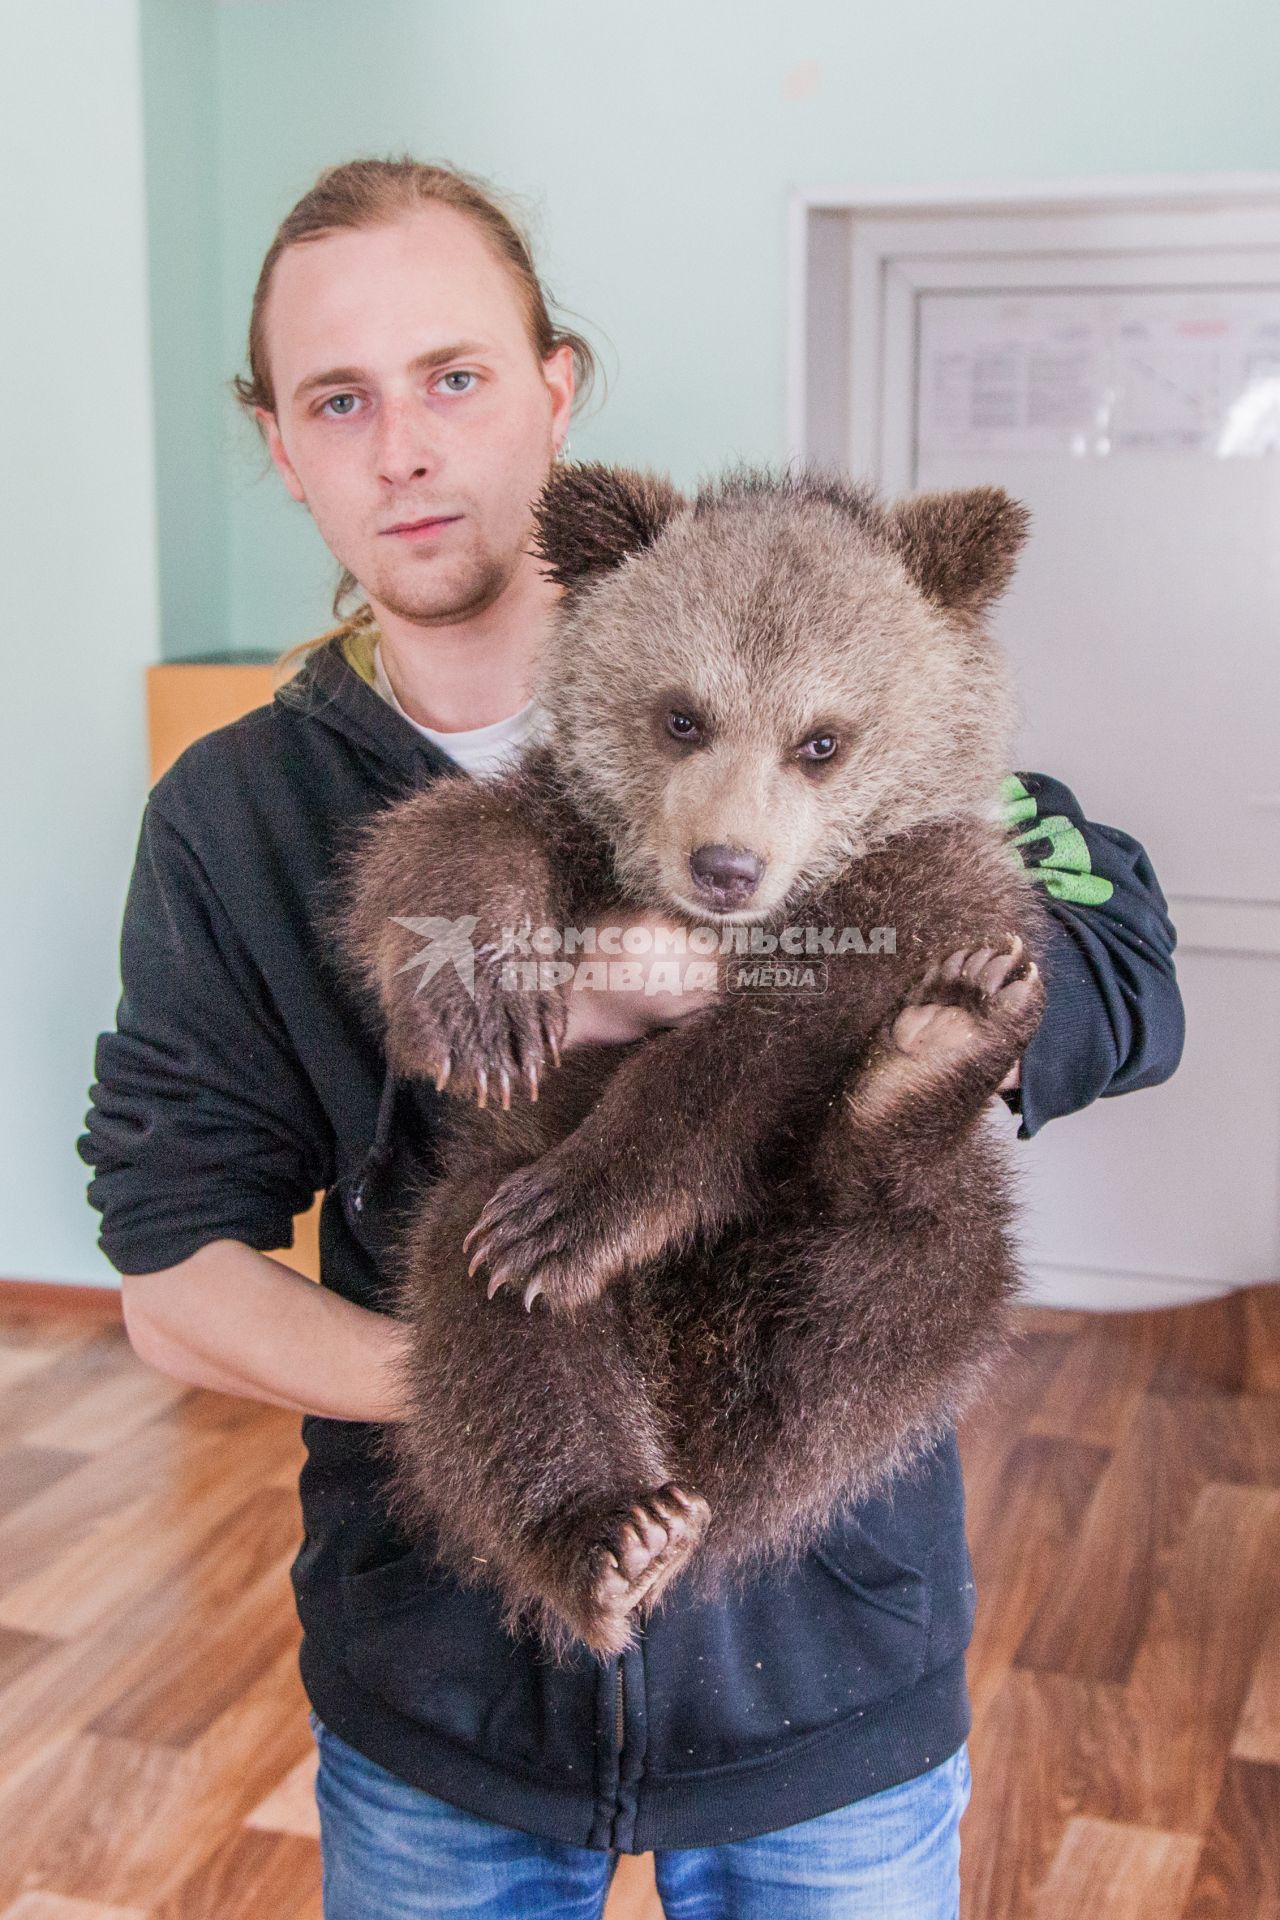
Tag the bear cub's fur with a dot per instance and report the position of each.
(676, 1304)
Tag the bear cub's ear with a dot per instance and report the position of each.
(959, 548)
(589, 517)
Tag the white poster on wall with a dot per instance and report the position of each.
(1097, 374)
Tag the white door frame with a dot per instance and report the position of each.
(843, 241)
(859, 257)
(858, 260)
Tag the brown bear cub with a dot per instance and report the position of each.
(675, 1304)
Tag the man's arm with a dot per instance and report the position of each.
(203, 1123)
(234, 1320)
(206, 1139)
(1113, 1019)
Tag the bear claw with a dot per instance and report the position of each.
(546, 1222)
(635, 1556)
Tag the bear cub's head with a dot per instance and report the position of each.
(751, 688)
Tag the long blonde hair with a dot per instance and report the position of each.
(355, 639)
(366, 193)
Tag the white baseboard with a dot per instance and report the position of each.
(1097, 1290)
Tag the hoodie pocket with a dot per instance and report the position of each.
(738, 1678)
(878, 1574)
(437, 1653)
(799, 1650)
(893, 1596)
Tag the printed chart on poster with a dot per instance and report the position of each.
(1094, 375)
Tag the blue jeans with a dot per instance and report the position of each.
(392, 1852)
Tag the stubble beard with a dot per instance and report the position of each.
(443, 595)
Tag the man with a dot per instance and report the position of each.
(797, 1748)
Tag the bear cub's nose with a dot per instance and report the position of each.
(725, 876)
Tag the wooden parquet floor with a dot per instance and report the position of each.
(1124, 1510)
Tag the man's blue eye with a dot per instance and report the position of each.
(460, 374)
(342, 403)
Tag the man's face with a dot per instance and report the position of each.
(413, 416)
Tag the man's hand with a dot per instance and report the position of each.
(235, 1320)
(613, 1016)
(600, 1016)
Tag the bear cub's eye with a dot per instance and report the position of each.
(682, 726)
(820, 747)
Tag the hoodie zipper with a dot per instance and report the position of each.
(380, 1150)
(619, 1708)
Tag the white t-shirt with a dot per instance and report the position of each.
(480, 750)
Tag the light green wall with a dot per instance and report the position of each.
(77, 561)
(659, 140)
(193, 419)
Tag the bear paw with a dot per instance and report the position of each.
(625, 1557)
(970, 1016)
(561, 1228)
(479, 1042)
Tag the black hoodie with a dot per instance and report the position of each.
(243, 1076)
